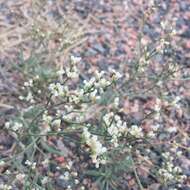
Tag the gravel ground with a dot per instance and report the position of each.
(112, 29)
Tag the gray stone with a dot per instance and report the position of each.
(62, 183)
(90, 52)
(99, 48)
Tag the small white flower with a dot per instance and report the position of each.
(20, 177)
(77, 181)
(74, 174)
(7, 125)
(82, 188)
(99, 75)
(56, 123)
(45, 180)
(179, 153)
(58, 89)
(29, 97)
(33, 166)
(94, 96)
(69, 187)
(102, 83)
(116, 102)
(29, 163)
(45, 162)
(80, 93)
(8, 172)
(163, 25)
(155, 127)
(68, 108)
(157, 106)
(151, 134)
(69, 164)
(136, 131)
(172, 129)
(66, 176)
(61, 72)
(29, 83)
(16, 126)
(75, 59)
(37, 77)
(96, 147)
(174, 32)
(72, 72)
(90, 83)
(115, 74)
(2, 163)
(47, 118)
(21, 97)
(39, 91)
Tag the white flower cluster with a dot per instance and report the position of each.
(27, 86)
(57, 89)
(31, 164)
(169, 172)
(45, 180)
(96, 147)
(115, 126)
(154, 129)
(75, 59)
(5, 187)
(91, 89)
(71, 71)
(136, 131)
(161, 46)
(15, 126)
(47, 118)
(71, 113)
(28, 98)
(48, 121)
(29, 83)
(115, 75)
(76, 96)
(94, 87)
(172, 129)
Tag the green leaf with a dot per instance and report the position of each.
(32, 112)
(51, 149)
(94, 173)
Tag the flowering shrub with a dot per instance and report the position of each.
(60, 106)
(90, 115)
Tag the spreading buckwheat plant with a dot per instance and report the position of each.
(74, 128)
